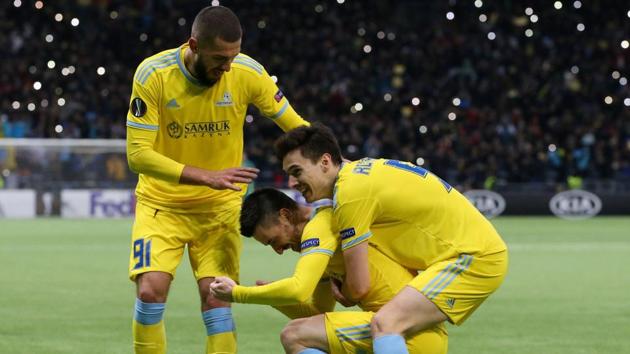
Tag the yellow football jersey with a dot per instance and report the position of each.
(196, 125)
(408, 213)
(321, 257)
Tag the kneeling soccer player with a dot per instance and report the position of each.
(276, 220)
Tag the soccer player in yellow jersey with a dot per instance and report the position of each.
(413, 217)
(276, 220)
(185, 139)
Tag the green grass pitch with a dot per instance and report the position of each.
(64, 289)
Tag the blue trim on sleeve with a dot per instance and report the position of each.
(356, 241)
(318, 250)
(281, 111)
(218, 320)
(142, 126)
(248, 64)
(149, 67)
(148, 313)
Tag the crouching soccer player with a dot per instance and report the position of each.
(412, 216)
(274, 219)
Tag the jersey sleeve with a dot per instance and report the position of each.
(296, 289)
(268, 98)
(322, 301)
(142, 130)
(353, 219)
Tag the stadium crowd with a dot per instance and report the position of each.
(482, 94)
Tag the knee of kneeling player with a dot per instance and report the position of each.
(383, 324)
(290, 334)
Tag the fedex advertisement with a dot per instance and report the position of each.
(97, 203)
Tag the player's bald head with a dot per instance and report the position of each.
(216, 21)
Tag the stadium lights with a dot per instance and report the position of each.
(17, 3)
(529, 32)
(65, 72)
(340, 1)
(419, 161)
(575, 69)
(49, 38)
(274, 78)
(533, 18)
(478, 3)
(391, 36)
(552, 147)
(352, 149)
(74, 22)
(361, 31)
(58, 128)
(415, 101)
(456, 101)
(452, 116)
(58, 17)
(100, 71)
(423, 129)
(61, 102)
(319, 8)
(608, 100)
(387, 97)
(249, 118)
(216, 3)
(626, 102)
(557, 5)
(32, 69)
(143, 37)
(623, 81)
(51, 64)
(262, 24)
(181, 22)
(358, 106)
(580, 27)
(31, 107)
(529, 11)
(616, 75)
(113, 15)
(380, 35)
(15, 105)
(625, 44)
(577, 4)
(37, 85)
(367, 48)
(44, 103)
(450, 15)
(491, 36)
(483, 18)
(39, 5)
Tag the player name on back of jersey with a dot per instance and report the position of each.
(199, 129)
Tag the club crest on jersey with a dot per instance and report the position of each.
(226, 100)
(347, 233)
(311, 242)
(174, 130)
(278, 96)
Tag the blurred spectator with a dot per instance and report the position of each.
(483, 96)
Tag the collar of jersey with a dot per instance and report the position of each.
(182, 67)
(320, 204)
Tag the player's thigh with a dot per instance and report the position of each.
(309, 332)
(157, 244)
(216, 248)
(458, 286)
(433, 340)
(349, 332)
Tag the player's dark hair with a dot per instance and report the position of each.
(262, 205)
(216, 21)
(313, 142)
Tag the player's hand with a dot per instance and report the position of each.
(335, 286)
(226, 179)
(221, 179)
(222, 287)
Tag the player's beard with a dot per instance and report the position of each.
(201, 73)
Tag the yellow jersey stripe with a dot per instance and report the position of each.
(146, 67)
(281, 111)
(365, 236)
(326, 252)
(250, 65)
(250, 60)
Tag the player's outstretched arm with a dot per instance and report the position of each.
(221, 179)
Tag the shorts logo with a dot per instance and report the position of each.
(278, 96)
(174, 130)
(137, 107)
(311, 242)
(450, 302)
(347, 233)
